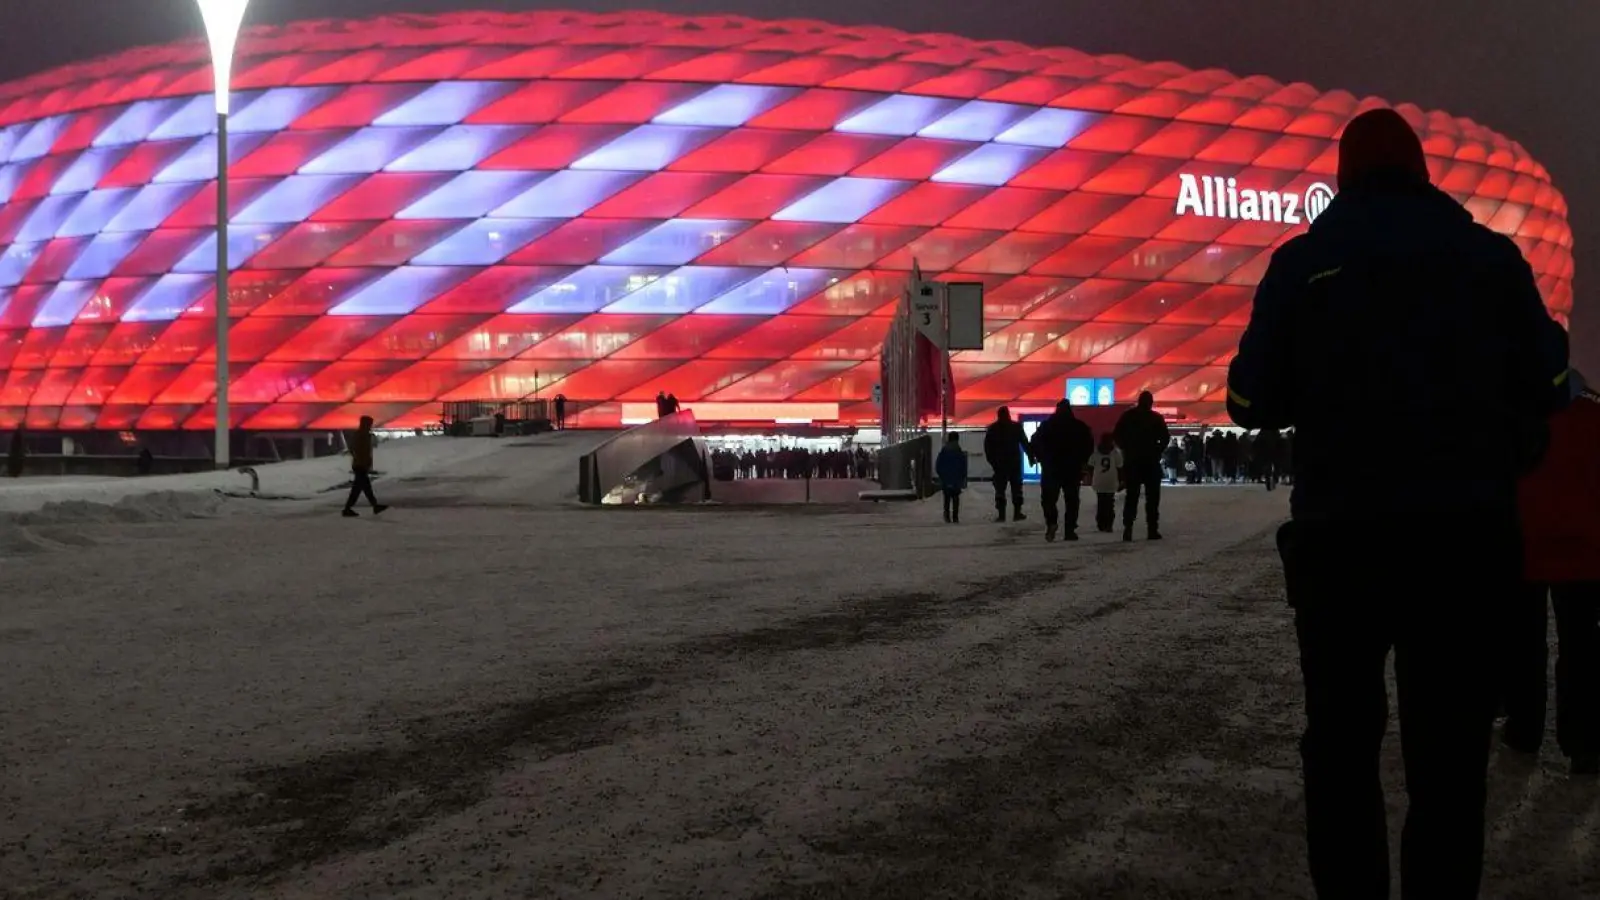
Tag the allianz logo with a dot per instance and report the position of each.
(1211, 197)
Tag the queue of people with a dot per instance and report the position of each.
(1363, 293)
(793, 463)
(1260, 457)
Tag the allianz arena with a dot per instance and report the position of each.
(493, 206)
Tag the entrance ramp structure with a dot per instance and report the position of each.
(665, 461)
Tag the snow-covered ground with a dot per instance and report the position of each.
(493, 692)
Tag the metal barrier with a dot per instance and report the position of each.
(908, 466)
(667, 456)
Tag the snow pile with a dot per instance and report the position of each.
(59, 525)
(311, 479)
(161, 506)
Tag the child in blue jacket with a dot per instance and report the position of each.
(951, 467)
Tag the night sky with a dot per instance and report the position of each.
(1525, 69)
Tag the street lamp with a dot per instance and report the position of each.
(223, 19)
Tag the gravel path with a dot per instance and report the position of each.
(472, 697)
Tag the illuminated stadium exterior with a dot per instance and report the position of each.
(489, 206)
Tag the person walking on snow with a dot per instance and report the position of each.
(951, 467)
(1560, 505)
(1449, 326)
(1004, 446)
(361, 470)
(1142, 434)
(1062, 445)
(1106, 464)
(17, 456)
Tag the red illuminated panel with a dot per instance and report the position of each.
(393, 243)
(327, 338)
(663, 195)
(596, 337)
(830, 154)
(769, 244)
(79, 344)
(357, 106)
(927, 204)
(745, 150)
(504, 337)
(380, 196)
(688, 337)
(425, 380)
(554, 146)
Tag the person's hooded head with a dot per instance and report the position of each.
(1380, 146)
(366, 423)
(1004, 415)
(1147, 400)
(1064, 409)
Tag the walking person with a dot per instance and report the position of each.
(1389, 260)
(361, 445)
(1062, 445)
(1560, 505)
(1004, 446)
(561, 412)
(1269, 445)
(951, 467)
(1106, 466)
(1142, 434)
(17, 455)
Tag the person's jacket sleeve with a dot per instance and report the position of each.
(1539, 345)
(1259, 378)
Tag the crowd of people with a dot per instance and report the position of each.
(1260, 457)
(792, 462)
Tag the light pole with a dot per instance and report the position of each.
(223, 19)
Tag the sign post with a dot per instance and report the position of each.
(930, 314)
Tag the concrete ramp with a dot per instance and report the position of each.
(512, 471)
(662, 461)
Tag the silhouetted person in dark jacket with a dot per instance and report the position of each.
(1142, 434)
(1004, 446)
(1269, 443)
(361, 447)
(1398, 315)
(17, 456)
(561, 412)
(1062, 446)
(951, 467)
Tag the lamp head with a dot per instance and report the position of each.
(223, 20)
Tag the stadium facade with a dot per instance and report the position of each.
(497, 206)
